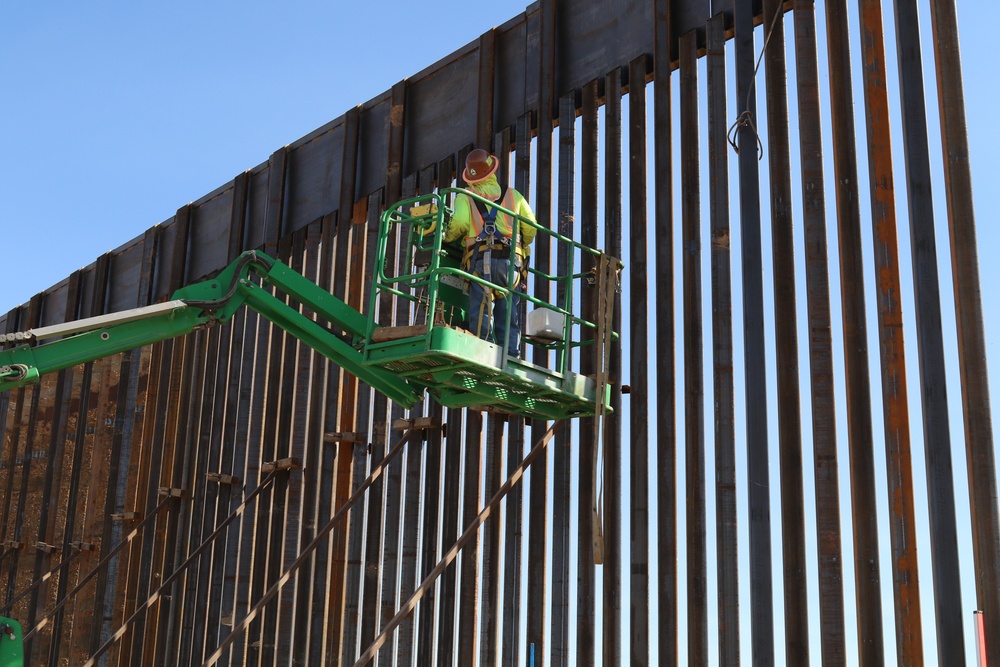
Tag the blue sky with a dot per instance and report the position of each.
(114, 114)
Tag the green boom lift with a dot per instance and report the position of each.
(429, 351)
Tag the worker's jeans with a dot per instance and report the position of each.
(499, 270)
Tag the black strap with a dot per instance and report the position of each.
(489, 213)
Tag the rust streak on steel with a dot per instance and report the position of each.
(824, 429)
(397, 117)
(726, 520)
(859, 412)
(980, 452)
(694, 386)
(342, 413)
(902, 519)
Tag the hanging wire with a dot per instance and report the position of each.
(746, 118)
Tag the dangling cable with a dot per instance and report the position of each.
(746, 118)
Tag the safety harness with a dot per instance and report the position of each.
(489, 241)
(490, 244)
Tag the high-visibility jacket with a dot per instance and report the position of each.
(467, 222)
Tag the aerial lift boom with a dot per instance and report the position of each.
(336, 332)
(434, 352)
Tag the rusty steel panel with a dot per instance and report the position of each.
(859, 411)
(902, 529)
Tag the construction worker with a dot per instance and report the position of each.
(490, 242)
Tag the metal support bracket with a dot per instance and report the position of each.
(417, 424)
(291, 463)
(221, 478)
(342, 437)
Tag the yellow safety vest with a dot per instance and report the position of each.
(503, 221)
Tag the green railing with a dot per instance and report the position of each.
(431, 274)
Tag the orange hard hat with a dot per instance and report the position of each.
(479, 165)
